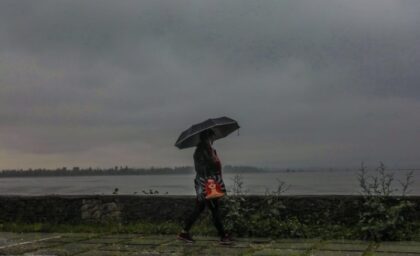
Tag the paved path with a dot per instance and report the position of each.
(137, 244)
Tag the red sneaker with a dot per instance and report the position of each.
(186, 237)
(226, 240)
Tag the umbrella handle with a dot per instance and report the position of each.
(238, 131)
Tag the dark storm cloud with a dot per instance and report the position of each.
(327, 83)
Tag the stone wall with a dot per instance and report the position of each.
(128, 208)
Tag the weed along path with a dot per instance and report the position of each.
(136, 244)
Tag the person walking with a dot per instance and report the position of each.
(206, 163)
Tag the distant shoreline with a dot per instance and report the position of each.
(117, 171)
(126, 171)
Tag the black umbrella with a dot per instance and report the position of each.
(221, 126)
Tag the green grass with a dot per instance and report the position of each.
(202, 227)
(133, 228)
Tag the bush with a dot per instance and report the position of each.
(383, 216)
(236, 220)
(245, 219)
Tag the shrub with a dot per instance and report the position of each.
(237, 209)
(246, 219)
(383, 216)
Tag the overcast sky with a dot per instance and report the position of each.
(312, 83)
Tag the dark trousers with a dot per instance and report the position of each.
(213, 205)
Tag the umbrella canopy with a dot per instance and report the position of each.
(221, 126)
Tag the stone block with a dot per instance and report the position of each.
(97, 211)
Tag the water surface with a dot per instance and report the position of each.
(300, 183)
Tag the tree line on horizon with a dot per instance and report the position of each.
(117, 170)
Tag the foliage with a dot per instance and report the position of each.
(151, 192)
(267, 219)
(245, 219)
(384, 217)
(237, 209)
(117, 170)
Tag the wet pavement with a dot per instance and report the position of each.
(137, 244)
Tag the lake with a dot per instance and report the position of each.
(300, 183)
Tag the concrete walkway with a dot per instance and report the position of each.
(137, 244)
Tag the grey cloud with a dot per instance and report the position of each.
(311, 82)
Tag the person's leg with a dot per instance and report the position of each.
(199, 207)
(214, 208)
